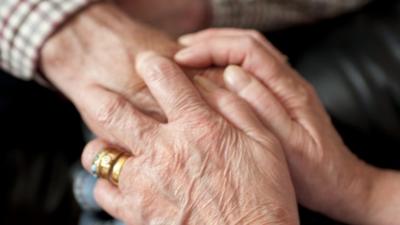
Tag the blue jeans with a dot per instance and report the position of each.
(83, 186)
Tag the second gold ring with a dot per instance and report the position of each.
(117, 168)
(105, 161)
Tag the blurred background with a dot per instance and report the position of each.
(353, 61)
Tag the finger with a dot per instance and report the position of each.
(231, 107)
(134, 205)
(139, 189)
(294, 93)
(169, 85)
(113, 118)
(90, 152)
(107, 196)
(223, 50)
(133, 163)
(261, 99)
(135, 180)
(207, 34)
(110, 199)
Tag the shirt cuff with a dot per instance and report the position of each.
(24, 27)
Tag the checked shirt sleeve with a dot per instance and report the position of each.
(24, 27)
(274, 14)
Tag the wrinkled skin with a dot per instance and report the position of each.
(91, 60)
(199, 167)
(328, 178)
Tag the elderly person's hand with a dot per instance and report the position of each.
(328, 178)
(199, 167)
(91, 60)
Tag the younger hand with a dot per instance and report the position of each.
(328, 178)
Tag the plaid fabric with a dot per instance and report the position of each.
(26, 24)
(24, 27)
(273, 14)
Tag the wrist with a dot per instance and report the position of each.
(344, 190)
(100, 32)
(384, 202)
(76, 37)
(354, 201)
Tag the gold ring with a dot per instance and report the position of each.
(104, 161)
(117, 168)
(94, 169)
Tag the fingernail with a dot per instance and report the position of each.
(205, 83)
(185, 39)
(183, 54)
(236, 78)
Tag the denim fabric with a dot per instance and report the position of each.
(83, 186)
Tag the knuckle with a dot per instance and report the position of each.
(305, 95)
(207, 126)
(210, 31)
(255, 34)
(157, 67)
(249, 42)
(310, 89)
(275, 67)
(109, 112)
(89, 153)
(143, 134)
(189, 109)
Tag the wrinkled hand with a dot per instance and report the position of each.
(199, 168)
(92, 61)
(174, 16)
(328, 178)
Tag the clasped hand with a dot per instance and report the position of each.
(214, 151)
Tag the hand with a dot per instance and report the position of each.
(328, 178)
(174, 16)
(199, 168)
(91, 61)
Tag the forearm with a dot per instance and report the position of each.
(24, 28)
(101, 35)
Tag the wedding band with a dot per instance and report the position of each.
(117, 168)
(104, 162)
(96, 162)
